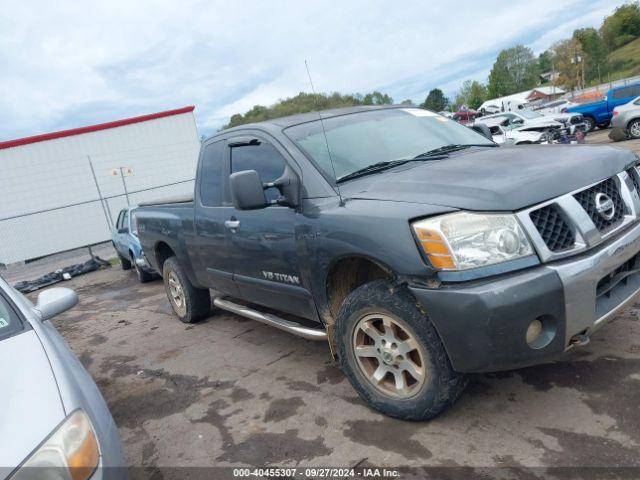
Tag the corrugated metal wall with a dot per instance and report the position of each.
(48, 198)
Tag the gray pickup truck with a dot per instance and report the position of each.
(418, 248)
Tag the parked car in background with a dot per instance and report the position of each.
(54, 422)
(555, 106)
(465, 116)
(526, 120)
(124, 236)
(499, 105)
(514, 135)
(627, 118)
(600, 113)
(573, 121)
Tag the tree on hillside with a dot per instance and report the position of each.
(595, 52)
(544, 62)
(472, 94)
(435, 100)
(622, 26)
(565, 54)
(376, 98)
(514, 70)
(307, 102)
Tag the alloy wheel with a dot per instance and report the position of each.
(176, 293)
(389, 355)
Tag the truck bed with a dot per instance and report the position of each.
(176, 199)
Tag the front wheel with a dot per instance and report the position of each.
(589, 124)
(634, 128)
(392, 354)
(189, 303)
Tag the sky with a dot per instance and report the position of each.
(67, 64)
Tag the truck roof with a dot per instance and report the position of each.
(288, 121)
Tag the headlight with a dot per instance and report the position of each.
(462, 240)
(70, 453)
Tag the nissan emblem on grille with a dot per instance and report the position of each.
(605, 206)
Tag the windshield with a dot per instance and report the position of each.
(361, 139)
(10, 324)
(529, 114)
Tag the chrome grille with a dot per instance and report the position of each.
(553, 228)
(586, 198)
(571, 224)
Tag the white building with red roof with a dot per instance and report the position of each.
(62, 190)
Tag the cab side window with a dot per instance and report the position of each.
(623, 93)
(264, 158)
(211, 174)
(121, 219)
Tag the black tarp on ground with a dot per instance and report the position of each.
(60, 275)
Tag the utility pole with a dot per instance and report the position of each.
(95, 179)
(124, 184)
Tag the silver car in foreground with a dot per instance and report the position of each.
(54, 422)
(626, 119)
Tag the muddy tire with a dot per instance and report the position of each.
(189, 303)
(392, 354)
(124, 263)
(143, 275)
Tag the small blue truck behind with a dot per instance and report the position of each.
(600, 113)
(124, 237)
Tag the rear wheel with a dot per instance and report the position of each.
(189, 303)
(634, 128)
(125, 263)
(392, 355)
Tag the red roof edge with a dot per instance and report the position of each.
(94, 128)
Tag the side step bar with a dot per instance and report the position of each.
(277, 322)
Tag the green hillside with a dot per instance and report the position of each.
(625, 61)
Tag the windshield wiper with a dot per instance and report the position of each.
(380, 166)
(435, 154)
(453, 147)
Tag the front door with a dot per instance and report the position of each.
(212, 239)
(265, 261)
(119, 239)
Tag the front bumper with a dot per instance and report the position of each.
(483, 323)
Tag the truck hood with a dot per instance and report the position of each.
(495, 179)
(32, 407)
(542, 122)
(587, 107)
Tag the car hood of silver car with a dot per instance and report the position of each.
(31, 404)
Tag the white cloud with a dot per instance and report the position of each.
(67, 63)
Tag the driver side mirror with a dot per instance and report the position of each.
(247, 191)
(54, 301)
(123, 230)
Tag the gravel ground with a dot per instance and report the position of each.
(230, 391)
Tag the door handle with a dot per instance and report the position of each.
(232, 224)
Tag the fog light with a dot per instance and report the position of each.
(533, 331)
